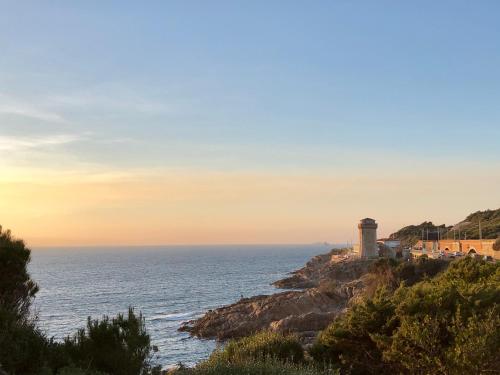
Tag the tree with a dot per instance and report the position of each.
(23, 347)
(119, 345)
(17, 289)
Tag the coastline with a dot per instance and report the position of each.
(313, 296)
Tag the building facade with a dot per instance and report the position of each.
(481, 247)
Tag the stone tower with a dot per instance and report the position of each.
(368, 238)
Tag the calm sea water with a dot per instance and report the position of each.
(168, 284)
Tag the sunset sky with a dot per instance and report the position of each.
(207, 122)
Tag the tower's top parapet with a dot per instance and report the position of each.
(367, 223)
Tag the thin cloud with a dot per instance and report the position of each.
(17, 109)
(11, 143)
(112, 100)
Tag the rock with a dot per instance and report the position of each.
(304, 323)
(259, 313)
(331, 281)
(326, 267)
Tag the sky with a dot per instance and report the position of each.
(196, 122)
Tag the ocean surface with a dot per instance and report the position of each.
(169, 285)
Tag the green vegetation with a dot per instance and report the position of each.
(490, 228)
(390, 273)
(490, 224)
(119, 345)
(255, 367)
(17, 290)
(264, 353)
(262, 345)
(444, 325)
(111, 346)
(411, 234)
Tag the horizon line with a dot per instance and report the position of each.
(187, 245)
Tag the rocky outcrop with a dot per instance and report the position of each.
(329, 282)
(295, 311)
(325, 267)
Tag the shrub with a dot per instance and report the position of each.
(255, 367)
(347, 342)
(17, 290)
(71, 370)
(261, 346)
(23, 348)
(448, 324)
(119, 345)
(390, 273)
(496, 245)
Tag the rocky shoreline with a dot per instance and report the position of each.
(326, 285)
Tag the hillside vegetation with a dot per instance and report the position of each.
(490, 224)
(445, 325)
(490, 228)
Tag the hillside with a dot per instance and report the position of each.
(490, 226)
(410, 234)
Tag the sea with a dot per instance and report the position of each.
(168, 284)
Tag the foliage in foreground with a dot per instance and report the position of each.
(119, 345)
(260, 346)
(115, 346)
(255, 367)
(265, 353)
(445, 325)
(17, 289)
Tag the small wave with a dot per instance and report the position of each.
(172, 316)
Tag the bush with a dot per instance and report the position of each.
(391, 273)
(347, 342)
(255, 367)
(261, 346)
(496, 245)
(117, 346)
(17, 290)
(23, 348)
(448, 324)
(71, 370)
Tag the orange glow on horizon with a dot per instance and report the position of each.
(223, 208)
